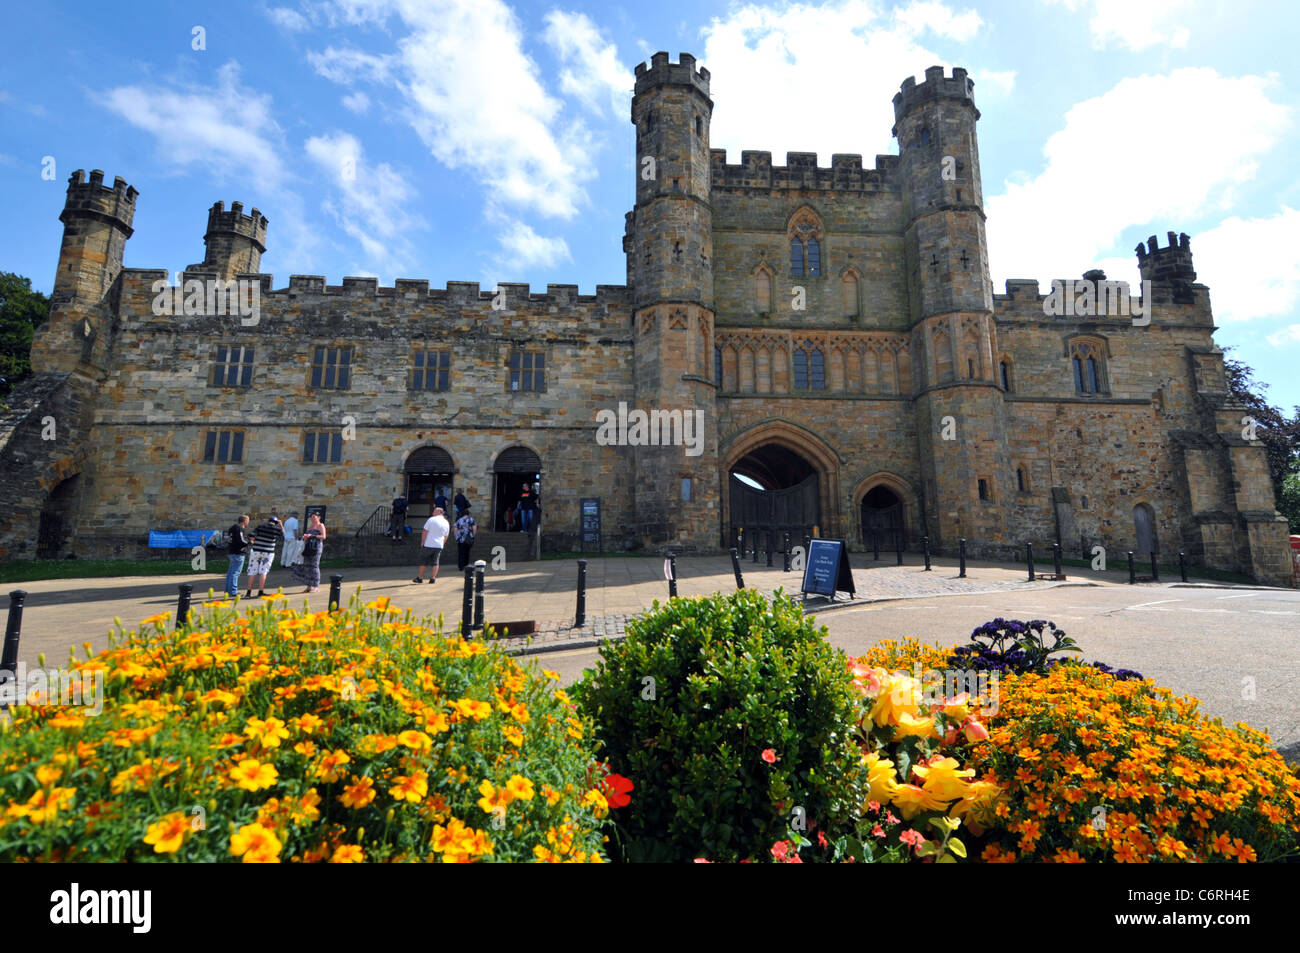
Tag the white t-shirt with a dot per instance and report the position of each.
(291, 528)
(436, 530)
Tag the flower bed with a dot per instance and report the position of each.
(292, 736)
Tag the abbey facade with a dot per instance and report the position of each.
(796, 347)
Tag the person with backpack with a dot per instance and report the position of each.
(313, 543)
(397, 524)
(236, 550)
(466, 529)
(267, 534)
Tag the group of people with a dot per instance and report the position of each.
(434, 538)
(523, 514)
(302, 556)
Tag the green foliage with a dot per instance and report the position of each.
(687, 705)
(1279, 434)
(22, 310)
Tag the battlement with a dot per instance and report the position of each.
(251, 226)
(1171, 264)
(660, 72)
(95, 199)
(801, 171)
(413, 289)
(936, 86)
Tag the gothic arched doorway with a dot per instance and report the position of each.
(516, 478)
(428, 472)
(881, 513)
(58, 517)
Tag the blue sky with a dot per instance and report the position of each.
(485, 140)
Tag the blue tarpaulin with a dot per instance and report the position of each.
(181, 538)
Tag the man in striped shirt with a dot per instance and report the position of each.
(259, 563)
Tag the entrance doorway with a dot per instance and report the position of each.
(773, 488)
(58, 519)
(428, 472)
(1144, 522)
(516, 470)
(882, 519)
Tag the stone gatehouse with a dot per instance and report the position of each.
(833, 330)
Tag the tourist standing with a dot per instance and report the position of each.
(291, 553)
(526, 509)
(397, 524)
(436, 531)
(313, 544)
(235, 552)
(440, 499)
(267, 534)
(462, 504)
(466, 529)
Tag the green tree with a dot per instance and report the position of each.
(1279, 434)
(22, 310)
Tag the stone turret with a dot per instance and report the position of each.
(234, 242)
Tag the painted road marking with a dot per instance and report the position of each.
(1146, 605)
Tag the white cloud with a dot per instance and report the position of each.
(357, 102)
(1136, 26)
(474, 97)
(372, 201)
(1286, 337)
(592, 71)
(227, 130)
(1252, 267)
(287, 19)
(791, 62)
(523, 248)
(1198, 136)
(997, 82)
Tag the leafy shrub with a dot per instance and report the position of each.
(286, 736)
(728, 713)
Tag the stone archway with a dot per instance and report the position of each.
(516, 477)
(886, 504)
(58, 518)
(794, 465)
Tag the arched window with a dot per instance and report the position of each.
(805, 234)
(925, 137)
(1021, 485)
(717, 366)
(1088, 364)
(970, 367)
(699, 126)
(984, 489)
(1004, 369)
(763, 291)
(809, 367)
(849, 291)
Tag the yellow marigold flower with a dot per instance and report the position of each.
(348, 854)
(308, 724)
(411, 787)
(520, 788)
(359, 793)
(167, 834)
(575, 728)
(520, 713)
(268, 733)
(381, 603)
(492, 797)
(596, 799)
(416, 740)
(459, 775)
(306, 748)
(306, 809)
(330, 767)
(469, 708)
(513, 735)
(550, 674)
(255, 844)
(252, 775)
(47, 774)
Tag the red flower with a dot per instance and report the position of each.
(821, 839)
(701, 860)
(616, 790)
(769, 755)
(781, 849)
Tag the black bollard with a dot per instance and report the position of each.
(672, 575)
(769, 549)
(183, 604)
(785, 552)
(9, 660)
(1056, 559)
(755, 548)
(336, 591)
(467, 605)
(898, 542)
(580, 614)
(1155, 570)
(875, 545)
(961, 555)
(1182, 565)
(925, 545)
(735, 566)
(1029, 555)
(479, 572)
(1132, 572)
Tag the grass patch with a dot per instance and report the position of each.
(34, 570)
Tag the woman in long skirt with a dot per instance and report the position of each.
(308, 571)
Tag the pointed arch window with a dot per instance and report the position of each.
(806, 252)
(849, 292)
(809, 367)
(1088, 365)
(1004, 372)
(814, 258)
(717, 366)
(762, 291)
(796, 258)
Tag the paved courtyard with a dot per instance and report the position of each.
(1235, 648)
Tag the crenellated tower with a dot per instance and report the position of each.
(234, 242)
(963, 447)
(96, 224)
(669, 244)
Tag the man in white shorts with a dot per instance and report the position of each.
(266, 535)
(436, 531)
